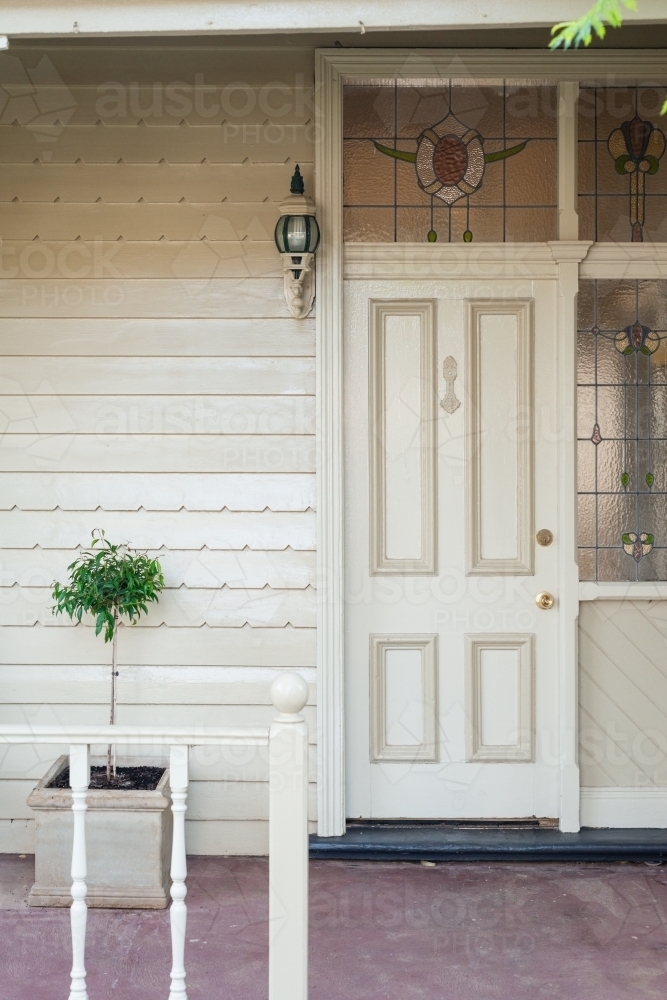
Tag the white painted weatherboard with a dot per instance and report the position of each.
(154, 385)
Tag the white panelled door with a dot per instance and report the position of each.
(451, 435)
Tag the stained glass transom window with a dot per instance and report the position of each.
(455, 162)
(622, 430)
(622, 167)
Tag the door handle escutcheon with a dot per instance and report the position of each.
(544, 600)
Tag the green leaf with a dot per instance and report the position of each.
(398, 154)
(580, 32)
(502, 154)
(619, 165)
(109, 581)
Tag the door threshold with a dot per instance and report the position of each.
(519, 823)
(440, 841)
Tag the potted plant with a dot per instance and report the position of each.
(129, 819)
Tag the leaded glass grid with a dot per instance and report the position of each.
(622, 430)
(453, 162)
(622, 167)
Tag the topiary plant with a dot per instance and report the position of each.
(109, 582)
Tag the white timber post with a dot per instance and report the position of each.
(568, 252)
(330, 453)
(79, 779)
(178, 780)
(288, 841)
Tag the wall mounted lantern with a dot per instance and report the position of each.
(297, 236)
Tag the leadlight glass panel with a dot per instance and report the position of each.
(455, 162)
(622, 167)
(622, 430)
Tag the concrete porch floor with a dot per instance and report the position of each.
(380, 930)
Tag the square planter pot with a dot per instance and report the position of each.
(128, 843)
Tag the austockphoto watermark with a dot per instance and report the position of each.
(179, 99)
(57, 295)
(204, 419)
(75, 260)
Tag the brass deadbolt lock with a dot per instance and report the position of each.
(544, 601)
(544, 537)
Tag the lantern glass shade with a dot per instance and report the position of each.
(297, 234)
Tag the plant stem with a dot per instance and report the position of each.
(114, 672)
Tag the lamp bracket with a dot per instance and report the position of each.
(299, 283)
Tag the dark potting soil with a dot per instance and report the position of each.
(142, 778)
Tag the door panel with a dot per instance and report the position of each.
(403, 454)
(451, 669)
(499, 454)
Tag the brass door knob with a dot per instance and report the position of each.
(544, 600)
(544, 537)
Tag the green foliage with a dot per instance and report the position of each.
(580, 32)
(109, 581)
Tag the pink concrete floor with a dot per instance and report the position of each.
(379, 931)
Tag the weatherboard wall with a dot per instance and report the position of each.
(153, 385)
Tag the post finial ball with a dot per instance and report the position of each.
(289, 693)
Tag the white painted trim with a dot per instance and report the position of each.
(437, 65)
(524, 562)
(568, 570)
(329, 466)
(532, 261)
(624, 807)
(625, 260)
(405, 261)
(568, 159)
(629, 591)
(426, 752)
(379, 563)
(523, 749)
(199, 17)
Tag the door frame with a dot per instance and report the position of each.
(563, 260)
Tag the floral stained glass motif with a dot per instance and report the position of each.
(622, 417)
(455, 163)
(637, 148)
(622, 184)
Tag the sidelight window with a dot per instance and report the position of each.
(622, 430)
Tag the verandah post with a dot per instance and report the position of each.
(178, 780)
(79, 779)
(288, 841)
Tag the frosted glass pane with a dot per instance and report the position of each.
(531, 177)
(530, 225)
(499, 696)
(404, 697)
(368, 177)
(368, 111)
(369, 225)
(403, 474)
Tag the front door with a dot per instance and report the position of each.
(451, 433)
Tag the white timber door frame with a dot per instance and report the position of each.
(563, 260)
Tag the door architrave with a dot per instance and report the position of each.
(564, 257)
